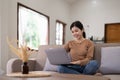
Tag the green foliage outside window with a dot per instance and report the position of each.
(31, 36)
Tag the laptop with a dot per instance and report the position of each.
(57, 56)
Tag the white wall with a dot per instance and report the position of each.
(4, 31)
(55, 9)
(96, 13)
(0, 33)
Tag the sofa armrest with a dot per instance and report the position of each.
(14, 65)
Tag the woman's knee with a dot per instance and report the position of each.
(94, 63)
(91, 67)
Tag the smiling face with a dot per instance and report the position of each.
(77, 33)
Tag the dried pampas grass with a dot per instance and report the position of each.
(23, 53)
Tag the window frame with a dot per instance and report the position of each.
(19, 4)
(64, 27)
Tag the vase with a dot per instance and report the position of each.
(25, 68)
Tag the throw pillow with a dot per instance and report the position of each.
(110, 57)
(49, 66)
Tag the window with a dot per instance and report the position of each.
(32, 27)
(60, 32)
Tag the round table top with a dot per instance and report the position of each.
(31, 74)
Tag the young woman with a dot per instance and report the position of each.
(81, 51)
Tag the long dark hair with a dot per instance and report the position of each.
(79, 25)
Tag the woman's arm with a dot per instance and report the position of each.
(66, 46)
(89, 55)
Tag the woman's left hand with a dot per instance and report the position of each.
(76, 62)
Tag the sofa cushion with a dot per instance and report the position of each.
(98, 46)
(110, 57)
(50, 67)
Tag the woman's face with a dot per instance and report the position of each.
(77, 33)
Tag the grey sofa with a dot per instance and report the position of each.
(38, 63)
